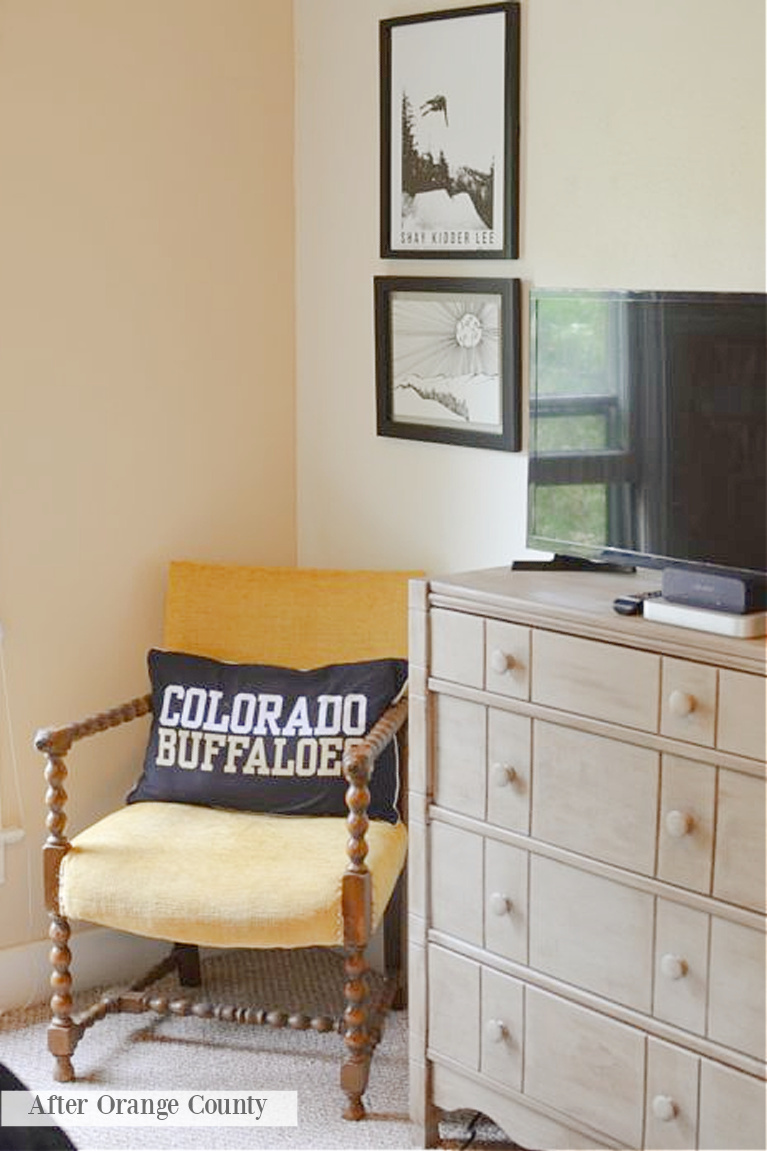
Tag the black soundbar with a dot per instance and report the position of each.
(734, 593)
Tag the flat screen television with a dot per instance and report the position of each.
(648, 428)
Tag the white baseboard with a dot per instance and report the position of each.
(98, 956)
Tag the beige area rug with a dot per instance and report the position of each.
(148, 1052)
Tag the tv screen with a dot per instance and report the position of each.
(648, 427)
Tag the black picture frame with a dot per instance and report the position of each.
(449, 112)
(448, 360)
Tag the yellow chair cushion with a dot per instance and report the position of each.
(222, 878)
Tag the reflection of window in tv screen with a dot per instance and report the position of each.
(648, 426)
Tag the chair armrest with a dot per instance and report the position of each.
(358, 763)
(56, 741)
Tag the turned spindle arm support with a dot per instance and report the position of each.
(358, 766)
(55, 743)
(64, 1032)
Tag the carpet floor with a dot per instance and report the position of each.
(148, 1052)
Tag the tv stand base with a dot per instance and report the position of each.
(562, 563)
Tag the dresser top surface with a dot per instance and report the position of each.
(581, 603)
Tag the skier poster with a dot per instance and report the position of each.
(449, 133)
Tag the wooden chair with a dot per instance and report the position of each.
(283, 616)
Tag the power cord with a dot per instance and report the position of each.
(471, 1130)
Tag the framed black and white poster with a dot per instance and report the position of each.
(448, 360)
(450, 133)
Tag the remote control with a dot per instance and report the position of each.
(633, 604)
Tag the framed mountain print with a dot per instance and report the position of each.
(448, 360)
(449, 89)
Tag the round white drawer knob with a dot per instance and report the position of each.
(673, 966)
(503, 774)
(664, 1108)
(500, 662)
(496, 1031)
(678, 824)
(681, 703)
(500, 904)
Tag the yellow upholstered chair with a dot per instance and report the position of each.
(198, 875)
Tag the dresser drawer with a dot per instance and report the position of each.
(596, 679)
(739, 862)
(595, 796)
(456, 882)
(688, 707)
(479, 890)
(584, 1065)
(508, 770)
(742, 712)
(710, 977)
(671, 1099)
(681, 966)
(454, 1007)
(460, 753)
(732, 1109)
(507, 659)
(734, 870)
(482, 762)
(736, 1001)
(591, 932)
(501, 1028)
(457, 643)
(506, 900)
(686, 831)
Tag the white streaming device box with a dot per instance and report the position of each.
(746, 626)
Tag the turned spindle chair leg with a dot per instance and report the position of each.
(63, 1033)
(187, 957)
(358, 1038)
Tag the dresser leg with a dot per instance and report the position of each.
(431, 1126)
(424, 1115)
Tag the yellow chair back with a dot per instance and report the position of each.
(295, 617)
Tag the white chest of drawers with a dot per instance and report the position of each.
(587, 867)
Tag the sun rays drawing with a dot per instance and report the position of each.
(446, 356)
(448, 360)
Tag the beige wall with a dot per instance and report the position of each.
(146, 305)
(146, 352)
(642, 166)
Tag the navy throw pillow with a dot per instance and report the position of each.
(258, 738)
